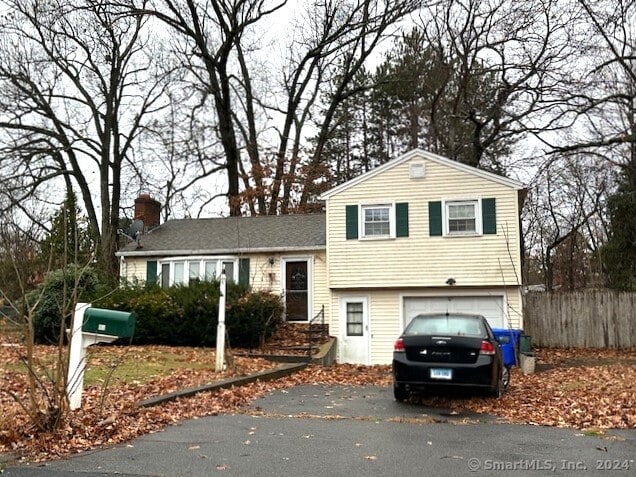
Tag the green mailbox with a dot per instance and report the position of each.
(108, 322)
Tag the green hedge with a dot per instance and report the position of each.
(181, 316)
(54, 299)
(188, 316)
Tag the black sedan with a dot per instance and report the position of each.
(448, 350)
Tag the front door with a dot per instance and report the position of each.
(296, 290)
(354, 330)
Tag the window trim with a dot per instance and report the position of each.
(362, 223)
(187, 261)
(446, 203)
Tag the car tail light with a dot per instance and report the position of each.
(486, 348)
(399, 346)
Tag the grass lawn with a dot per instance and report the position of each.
(126, 364)
(141, 364)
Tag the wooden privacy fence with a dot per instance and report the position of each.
(585, 319)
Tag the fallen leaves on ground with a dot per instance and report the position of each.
(293, 339)
(584, 389)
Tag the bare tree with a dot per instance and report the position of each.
(604, 123)
(78, 82)
(21, 265)
(178, 158)
(604, 103)
(565, 212)
(342, 37)
(517, 54)
(219, 43)
(45, 400)
(36, 301)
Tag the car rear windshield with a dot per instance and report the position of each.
(445, 325)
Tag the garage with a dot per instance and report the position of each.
(490, 306)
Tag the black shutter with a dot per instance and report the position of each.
(244, 271)
(435, 218)
(352, 222)
(151, 272)
(402, 219)
(489, 216)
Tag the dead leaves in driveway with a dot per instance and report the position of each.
(584, 389)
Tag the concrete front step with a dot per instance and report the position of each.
(324, 355)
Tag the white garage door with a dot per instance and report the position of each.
(489, 306)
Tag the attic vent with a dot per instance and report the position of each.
(417, 171)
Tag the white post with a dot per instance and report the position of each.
(79, 341)
(220, 329)
(76, 358)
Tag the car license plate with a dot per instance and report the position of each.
(441, 373)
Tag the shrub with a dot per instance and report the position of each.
(56, 295)
(188, 316)
(198, 310)
(253, 318)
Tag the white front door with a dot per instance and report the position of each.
(354, 330)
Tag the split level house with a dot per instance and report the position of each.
(418, 234)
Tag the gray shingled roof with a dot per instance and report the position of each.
(233, 235)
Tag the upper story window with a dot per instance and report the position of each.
(461, 217)
(376, 221)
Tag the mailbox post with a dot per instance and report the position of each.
(220, 329)
(91, 326)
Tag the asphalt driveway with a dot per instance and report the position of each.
(350, 431)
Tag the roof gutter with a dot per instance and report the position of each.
(154, 253)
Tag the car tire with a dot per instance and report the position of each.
(499, 388)
(506, 377)
(400, 393)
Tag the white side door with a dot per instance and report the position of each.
(354, 330)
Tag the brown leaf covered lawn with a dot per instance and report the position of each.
(583, 389)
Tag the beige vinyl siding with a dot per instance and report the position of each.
(269, 277)
(384, 321)
(264, 275)
(321, 289)
(386, 310)
(135, 270)
(384, 325)
(421, 260)
(514, 311)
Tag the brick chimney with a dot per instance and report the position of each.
(148, 210)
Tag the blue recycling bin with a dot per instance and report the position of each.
(508, 339)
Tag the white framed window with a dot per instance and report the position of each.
(209, 268)
(182, 271)
(164, 275)
(462, 217)
(378, 221)
(355, 318)
(228, 266)
(178, 277)
(194, 271)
